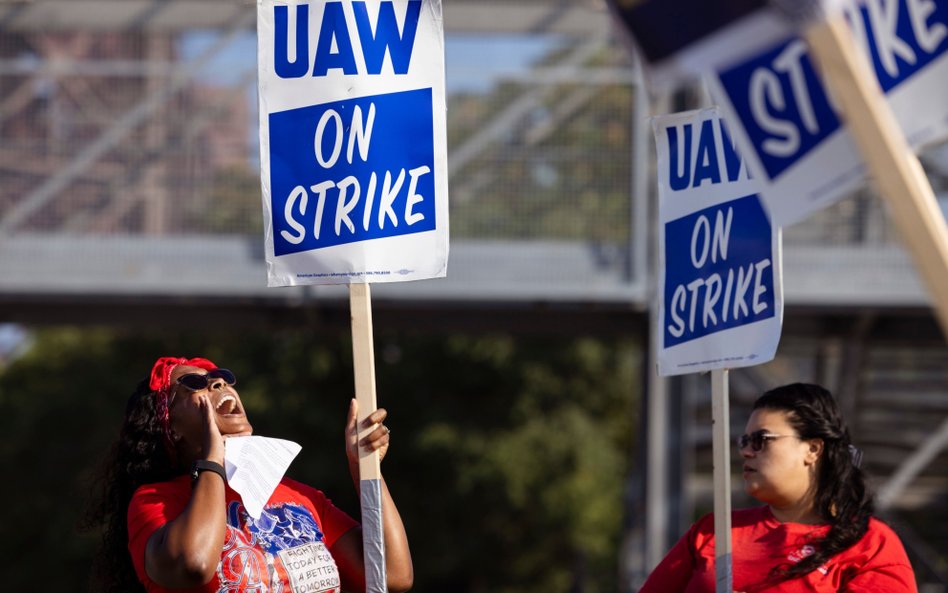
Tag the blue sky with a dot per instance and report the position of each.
(474, 61)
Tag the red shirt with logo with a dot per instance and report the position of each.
(875, 564)
(285, 550)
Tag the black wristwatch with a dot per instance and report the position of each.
(203, 465)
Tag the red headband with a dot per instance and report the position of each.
(161, 371)
(160, 383)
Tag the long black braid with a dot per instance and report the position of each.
(842, 499)
(137, 457)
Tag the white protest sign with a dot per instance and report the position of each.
(353, 140)
(784, 120)
(720, 287)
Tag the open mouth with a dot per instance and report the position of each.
(748, 469)
(228, 406)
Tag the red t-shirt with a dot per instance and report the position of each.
(286, 549)
(876, 563)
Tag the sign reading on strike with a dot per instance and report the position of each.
(720, 287)
(353, 142)
(785, 122)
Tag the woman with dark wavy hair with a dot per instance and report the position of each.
(815, 532)
(171, 523)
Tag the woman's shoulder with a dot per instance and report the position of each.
(879, 546)
(881, 529)
(175, 486)
(295, 487)
(159, 501)
(878, 561)
(880, 536)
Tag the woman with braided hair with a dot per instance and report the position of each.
(815, 532)
(172, 523)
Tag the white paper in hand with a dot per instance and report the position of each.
(255, 465)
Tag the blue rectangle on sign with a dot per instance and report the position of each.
(781, 104)
(352, 170)
(719, 270)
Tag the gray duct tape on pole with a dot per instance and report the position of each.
(373, 542)
(370, 473)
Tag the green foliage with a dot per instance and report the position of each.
(526, 446)
(507, 461)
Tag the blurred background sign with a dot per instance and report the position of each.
(784, 119)
(719, 284)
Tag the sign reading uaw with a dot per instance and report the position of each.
(353, 143)
(720, 284)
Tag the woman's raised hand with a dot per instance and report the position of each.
(376, 440)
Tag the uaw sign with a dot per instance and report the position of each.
(720, 287)
(785, 120)
(353, 142)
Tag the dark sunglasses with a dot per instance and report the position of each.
(197, 381)
(757, 440)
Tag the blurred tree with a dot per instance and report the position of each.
(508, 454)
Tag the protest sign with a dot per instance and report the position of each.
(352, 138)
(784, 120)
(892, 165)
(720, 289)
(353, 164)
(905, 41)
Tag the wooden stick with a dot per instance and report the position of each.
(370, 472)
(721, 454)
(363, 360)
(890, 160)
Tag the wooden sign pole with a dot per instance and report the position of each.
(370, 472)
(891, 162)
(721, 454)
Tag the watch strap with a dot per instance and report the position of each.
(203, 465)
